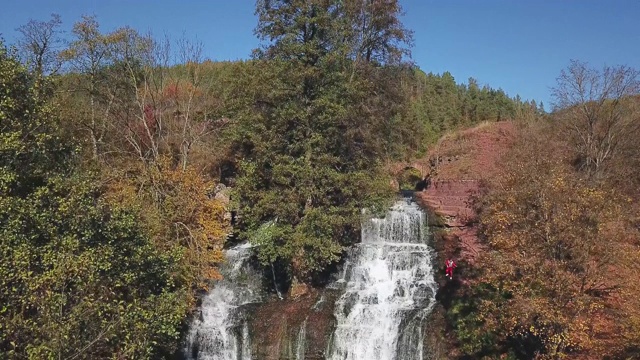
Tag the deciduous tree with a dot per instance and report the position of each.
(89, 54)
(40, 45)
(592, 104)
(79, 278)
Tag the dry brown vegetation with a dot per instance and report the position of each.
(553, 272)
(557, 277)
(473, 153)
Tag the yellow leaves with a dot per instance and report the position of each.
(550, 236)
(179, 210)
(121, 191)
(558, 182)
(533, 330)
(556, 337)
(188, 203)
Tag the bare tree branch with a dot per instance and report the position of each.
(594, 105)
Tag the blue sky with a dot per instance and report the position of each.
(517, 45)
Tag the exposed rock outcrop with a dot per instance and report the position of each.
(451, 202)
(458, 166)
(276, 326)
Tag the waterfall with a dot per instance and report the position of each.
(221, 331)
(388, 289)
(300, 343)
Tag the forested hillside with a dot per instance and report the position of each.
(559, 225)
(125, 157)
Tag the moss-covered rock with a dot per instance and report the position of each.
(408, 178)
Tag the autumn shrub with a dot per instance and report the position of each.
(554, 241)
(181, 214)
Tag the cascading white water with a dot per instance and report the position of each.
(301, 341)
(389, 289)
(221, 332)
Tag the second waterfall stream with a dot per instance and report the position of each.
(389, 289)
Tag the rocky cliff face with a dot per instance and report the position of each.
(451, 203)
(459, 165)
(294, 328)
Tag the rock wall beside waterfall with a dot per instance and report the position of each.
(277, 325)
(450, 203)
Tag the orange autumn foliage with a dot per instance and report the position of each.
(183, 217)
(562, 254)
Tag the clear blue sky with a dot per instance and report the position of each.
(519, 46)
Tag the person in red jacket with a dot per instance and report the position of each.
(450, 264)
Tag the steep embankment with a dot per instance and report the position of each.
(457, 167)
(459, 164)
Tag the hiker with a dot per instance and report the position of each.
(450, 264)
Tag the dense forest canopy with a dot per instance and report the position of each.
(123, 155)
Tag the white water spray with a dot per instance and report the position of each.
(221, 332)
(301, 343)
(389, 289)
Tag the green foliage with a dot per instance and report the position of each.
(78, 277)
(442, 105)
(77, 273)
(408, 178)
(28, 147)
(309, 135)
(469, 324)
